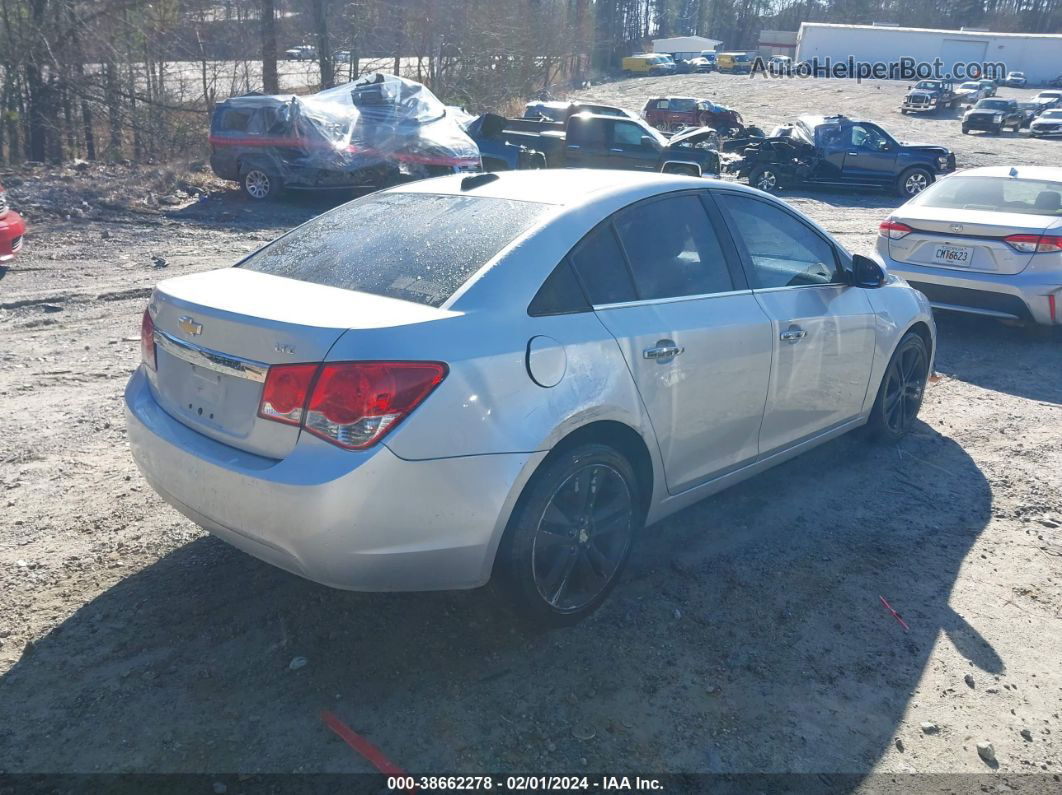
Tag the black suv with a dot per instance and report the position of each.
(993, 115)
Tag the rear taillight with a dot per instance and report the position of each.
(350, 404)
(285, 391)
(1035, 244)
(147, 340)
(893, 230)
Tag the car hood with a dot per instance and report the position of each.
(928, 148)
(691, 136)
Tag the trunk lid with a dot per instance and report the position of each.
(217, 333)
(979, 232)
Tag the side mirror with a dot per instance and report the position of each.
(866, 272)
(648, 142)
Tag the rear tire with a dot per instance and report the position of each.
(902, 388)
(259, 183)
(570, 536)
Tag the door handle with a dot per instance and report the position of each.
(853, 154)
(663, 351)
(616, 150)
(792, 334)
(574, 146)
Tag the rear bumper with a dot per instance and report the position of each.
(1019, 296)
(367, 521)
(12, 230)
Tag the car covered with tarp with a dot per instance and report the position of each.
(376, 131)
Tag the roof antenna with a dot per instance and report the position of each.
(475, 180)
(1013, 171)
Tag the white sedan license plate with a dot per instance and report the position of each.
(953, 255)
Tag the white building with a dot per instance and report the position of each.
(685, 47)
(1039, 55)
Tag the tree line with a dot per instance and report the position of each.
(137, 79)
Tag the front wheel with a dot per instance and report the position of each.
(570, 536)
(901, 391)
(766, 178)
(913, 181)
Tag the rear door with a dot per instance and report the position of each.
(822, 328)
(587, 140)
(662, 280)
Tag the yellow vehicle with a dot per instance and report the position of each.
(735, 63)
(648, 64)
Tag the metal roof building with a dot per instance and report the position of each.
(1039, 55)
(685, 46)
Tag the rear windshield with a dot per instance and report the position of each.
(414, 246)
(994, 194)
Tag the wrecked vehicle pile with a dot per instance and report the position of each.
(374, 132)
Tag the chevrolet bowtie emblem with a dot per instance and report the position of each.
(189, 326)
(956, 227)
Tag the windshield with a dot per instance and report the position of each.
(970, 86)
(992, 104)
(994, 194)
(928, 84)
(683, 105)
(1052, 114)
(413, 246)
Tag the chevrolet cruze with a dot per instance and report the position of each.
(508, 377)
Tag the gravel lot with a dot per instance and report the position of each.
(747, 636)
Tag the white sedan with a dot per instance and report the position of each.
(510, 376)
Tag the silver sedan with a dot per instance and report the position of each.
(986, 241)
(509, 376)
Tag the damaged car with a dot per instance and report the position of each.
(671, 114)
(376, 131)
(588, 140)
(835, 151)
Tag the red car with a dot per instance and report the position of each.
(12, 227)
(675, 113)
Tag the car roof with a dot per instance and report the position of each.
(567, 187)
(1045, 173)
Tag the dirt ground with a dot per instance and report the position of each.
(748, 634)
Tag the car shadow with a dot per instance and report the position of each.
(1003, 358)
(748, 635)
(231, 210)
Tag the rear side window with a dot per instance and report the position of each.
(599, 263)
(413, 246)
(560, 294)
(588, 132)
(235, 120)
(672, 249)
